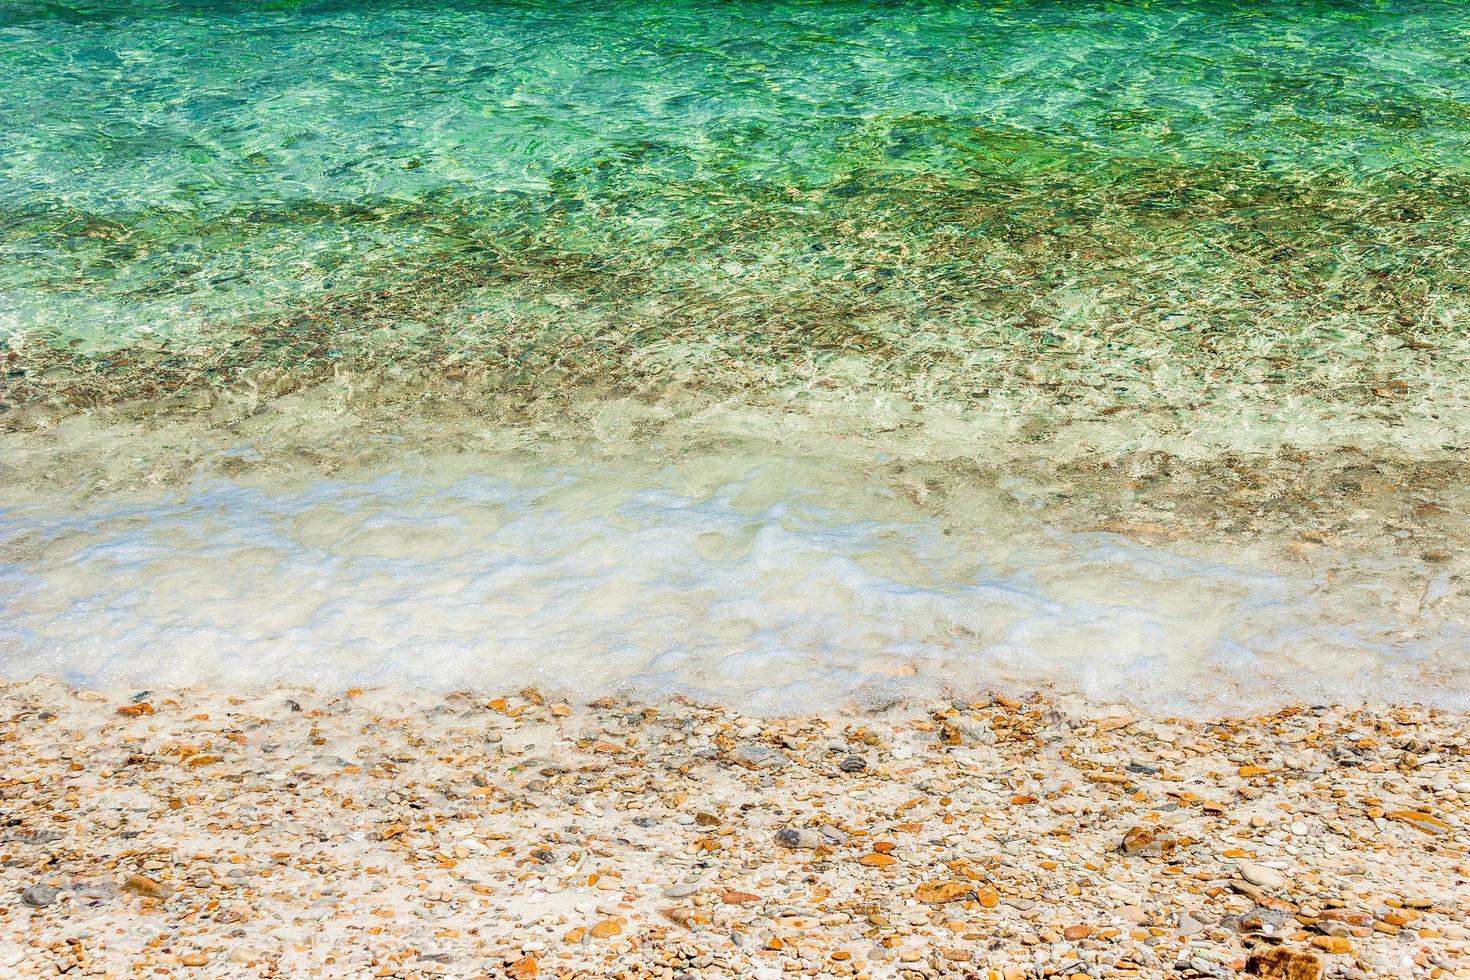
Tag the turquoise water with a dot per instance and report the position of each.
(928, 188)
(1196, 274)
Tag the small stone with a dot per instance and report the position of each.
(1206, 968)
(1281, 963)
(1256, 921)
(1260, 874)
(1333, 944)
(942, 892)
(1141, 841)
(523, 968)
(605, 929)
(678, 916)
(802, 838)
(739, 898)
(40, 896)
(146, 887)
(1075, 933)
(194, 959)
(853, 763)
(1189, 925)
(1426, 822)
(753, 755)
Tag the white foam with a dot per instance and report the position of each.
(747, 583)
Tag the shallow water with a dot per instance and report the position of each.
(1164, 302)
(778, 584)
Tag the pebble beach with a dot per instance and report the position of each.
(375, 833)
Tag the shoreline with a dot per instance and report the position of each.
(892, 561)
(293, 832)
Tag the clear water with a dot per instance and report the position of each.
(1193, 275)
(732, 578)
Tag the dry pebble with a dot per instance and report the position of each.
(299, 833)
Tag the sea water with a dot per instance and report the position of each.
(790, 354)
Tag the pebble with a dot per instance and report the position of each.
(1189, 925)
(757, 756)
(146, 887)
(1145, 841)
(941, 892)
(1282, 963)
(798, 838)
(40, 896)
(835, 835)
(1260, 874)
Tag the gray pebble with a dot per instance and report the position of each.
(40, 896)
(759, 756)
(794, 838)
